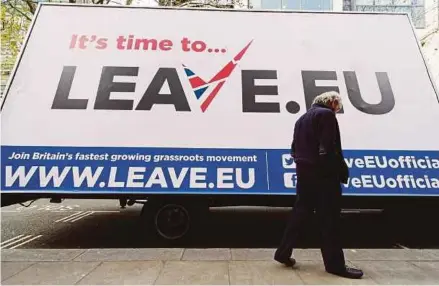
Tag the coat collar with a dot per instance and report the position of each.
(321, 105)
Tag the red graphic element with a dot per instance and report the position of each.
(196, 82)
(211, 96)
(199, 86)
(241, 53)
(224, 72)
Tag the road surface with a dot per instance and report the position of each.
(103, 224)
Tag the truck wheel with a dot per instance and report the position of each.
(172, 221)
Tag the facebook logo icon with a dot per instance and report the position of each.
(290, 180)
(288, 162)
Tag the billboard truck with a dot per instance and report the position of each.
(199, 110)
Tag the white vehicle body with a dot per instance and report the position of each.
(120, 102)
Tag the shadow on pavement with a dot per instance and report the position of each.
(233, 229)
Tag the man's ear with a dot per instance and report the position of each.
(336, 104)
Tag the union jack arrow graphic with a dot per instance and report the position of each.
(199, 86)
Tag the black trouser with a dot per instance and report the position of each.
(320, 191)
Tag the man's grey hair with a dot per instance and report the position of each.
(328, 98)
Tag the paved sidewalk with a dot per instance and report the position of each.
(209, 266)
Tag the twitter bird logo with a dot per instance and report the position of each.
(288, 161)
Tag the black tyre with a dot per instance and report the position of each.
(173, 220)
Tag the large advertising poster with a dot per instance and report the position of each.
(140, 100)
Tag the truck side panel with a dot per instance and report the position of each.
(99, 106)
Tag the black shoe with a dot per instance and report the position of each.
(290, 262)
(348, 272)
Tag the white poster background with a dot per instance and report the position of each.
(286, 42)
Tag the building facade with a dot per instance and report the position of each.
(423, 13)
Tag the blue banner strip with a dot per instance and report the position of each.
(114, 170)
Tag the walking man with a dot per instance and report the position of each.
(320, 168)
